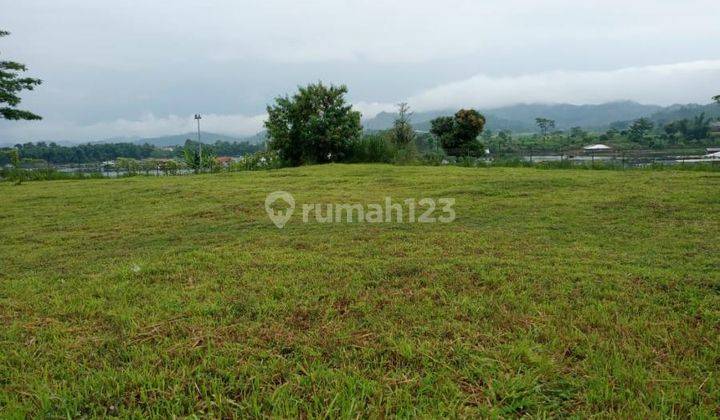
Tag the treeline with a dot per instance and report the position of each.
(643, 133)
(222, 148)
(100, 152)
(84, 153)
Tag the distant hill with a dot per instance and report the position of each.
(679, 112)
(521, 118)
(568, 116)
(209, 138)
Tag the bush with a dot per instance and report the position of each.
(371, 148)
(171, 167)
(407, 156)
(257, 162)
(467, 161)
(433, 158)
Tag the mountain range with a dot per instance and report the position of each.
(521, 118)
(517, 118)
(205, 137)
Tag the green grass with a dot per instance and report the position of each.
(554, 293)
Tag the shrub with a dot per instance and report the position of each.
(371, 148)
(433, 158)
(407, 156)
(467, 161)
(256, 162)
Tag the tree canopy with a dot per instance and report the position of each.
(545, 125)
(697, 128)
(100, 152)
(640, 128)
(458, 135)
(11, 84)
(313, 126)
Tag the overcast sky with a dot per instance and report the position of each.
(143, 68)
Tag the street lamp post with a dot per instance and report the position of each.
(198, 118)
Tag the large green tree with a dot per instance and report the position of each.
(458, 135)
(315, 125)
(11, 84)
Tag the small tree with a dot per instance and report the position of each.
(148, 165)
(314, 126)
(577, 133)
(458, 135)
(14, 157)
(131, 166)
(402, 132)
(505, 136)
(11, 84)
(197, 161)
(639, 129)
(170, 167)
(716, 98)
(545, 125)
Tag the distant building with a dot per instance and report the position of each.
(600, 149)
(597, 148)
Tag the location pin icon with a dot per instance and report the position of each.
(279, 217)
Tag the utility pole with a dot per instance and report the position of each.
(198, 118)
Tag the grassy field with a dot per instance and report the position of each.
(555, 292)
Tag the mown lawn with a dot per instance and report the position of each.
(555, 292)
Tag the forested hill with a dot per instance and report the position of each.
(521, 118)
(681, 112)
(205, 137)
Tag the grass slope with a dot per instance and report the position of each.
(553, 293)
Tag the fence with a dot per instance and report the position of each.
(630, 157)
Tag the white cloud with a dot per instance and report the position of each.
(371, 109)
(416, 31)
(662, 85)
(692, 82)
(148, 126)
(139, 33)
